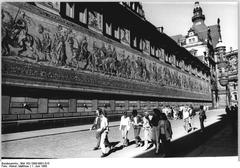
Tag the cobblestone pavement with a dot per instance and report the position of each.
(76, 142)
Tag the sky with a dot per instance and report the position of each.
(176, 17)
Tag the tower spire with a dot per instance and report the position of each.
(197, 13)
(219, 30)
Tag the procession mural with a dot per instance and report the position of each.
(28, 37)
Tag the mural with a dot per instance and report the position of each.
(28, 37)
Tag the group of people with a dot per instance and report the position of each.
(157, 130)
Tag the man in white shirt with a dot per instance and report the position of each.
(187, 119)
(96, 125)
(125, 127)
(104, 128)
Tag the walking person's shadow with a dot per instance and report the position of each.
(116, 148)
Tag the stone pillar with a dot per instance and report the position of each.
(126, 105)
(94, 104)
(148, 105)
(5, 104)
(138, 104)
(42, 105)
(112, 106)
(72, 105)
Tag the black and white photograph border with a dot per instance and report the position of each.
(118, 80)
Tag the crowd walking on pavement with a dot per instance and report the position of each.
(155, 124)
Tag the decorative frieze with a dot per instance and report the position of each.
(60, 53)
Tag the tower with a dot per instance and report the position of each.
(198, 16)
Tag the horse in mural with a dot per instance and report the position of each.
(15, 33)
(111, 65)
(80, 52)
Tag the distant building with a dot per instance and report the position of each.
(200, 41)
(227, 95)
(60, 61)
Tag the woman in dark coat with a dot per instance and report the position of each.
(155, 129)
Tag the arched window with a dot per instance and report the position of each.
(70, 9)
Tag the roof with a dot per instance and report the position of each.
(202, 31)
(178, 38)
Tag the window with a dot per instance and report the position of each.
(125, 36)
(117, 32)
(135, 41)
(137, 9)
(70, 9)
(127, 3)
(109, 29)
(161, 54)
(140, 44)
(235, 96)
(133, 6)
(234, 86)
(157, 52)
(83, 15)
(146, 46)
(95, 21)
(174, 60)
(153, 50)
(177, 62)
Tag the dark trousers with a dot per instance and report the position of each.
(136, 132)
(201, 123)
(165, 144)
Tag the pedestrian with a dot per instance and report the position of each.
(191, 116)
(96, 126)
(180, 113)
(137, 124)
(202, 117)
(175, 113)
(186, 118)
(227, 110)
(104, 129)
(147, 130)
(165, 134)
(155, 129)
(125, 127)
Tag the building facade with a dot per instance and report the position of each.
(60, 61)
(227, 67)
(201, 41)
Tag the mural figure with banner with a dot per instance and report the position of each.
(15, 32)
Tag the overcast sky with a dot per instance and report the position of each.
(176, 17)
